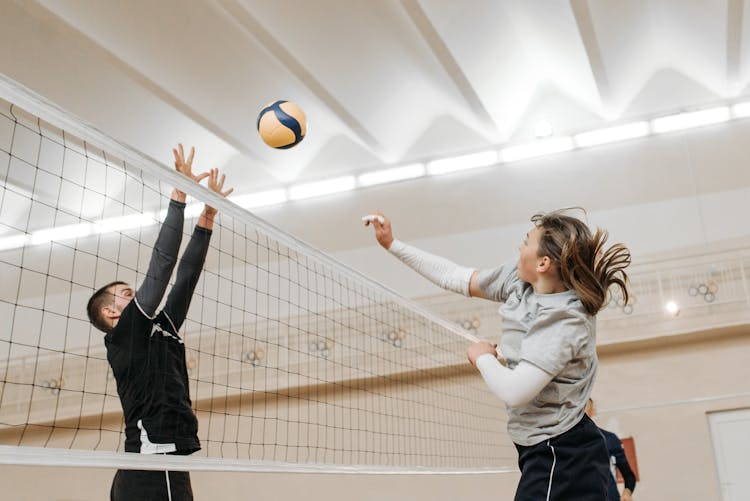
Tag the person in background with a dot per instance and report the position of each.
(617, 459)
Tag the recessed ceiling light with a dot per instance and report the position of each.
(691, 119)
(390, 175)
(463, 162)
(536, 149)
(672, 308)
(612, 134)
(543, 128)
(320, 188)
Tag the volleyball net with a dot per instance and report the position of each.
(294, 360)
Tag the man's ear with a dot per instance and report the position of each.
(109, 312)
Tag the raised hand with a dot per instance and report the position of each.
(185, 166)
(383, 231)
(476, 350)
(216, 184)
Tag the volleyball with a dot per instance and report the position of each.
(281, 124)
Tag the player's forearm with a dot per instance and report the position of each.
(621, 461)
(516, 386)
(188, 273)
(627, 475)
(206, 219)
(178, 196)
(436, 269)
(163, 259)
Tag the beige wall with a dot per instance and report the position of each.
(658, 392)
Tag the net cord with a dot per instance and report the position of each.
(42, 456)
(34, 103)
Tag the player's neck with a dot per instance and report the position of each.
(548, 285)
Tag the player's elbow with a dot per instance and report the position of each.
(517, 398)
(517, 402)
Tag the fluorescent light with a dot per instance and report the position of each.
(691, 119)
(13, 242)
(612, 134)
(190, 211)
(741, 110)
(72, 231)
(463, 162)
(319, 188)
(61, 233)
(389, 175)
(543, 128)
(113, 224)
(260, 199)
(536, 149)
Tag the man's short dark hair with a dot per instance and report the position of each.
(97, 301)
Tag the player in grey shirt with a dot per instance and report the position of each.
(554, 333)
(549, 298)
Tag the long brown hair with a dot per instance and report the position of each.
(584, 264)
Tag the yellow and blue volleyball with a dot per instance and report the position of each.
(282, 124)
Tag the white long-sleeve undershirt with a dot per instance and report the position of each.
(516, 386)
(438, 270)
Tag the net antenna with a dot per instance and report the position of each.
(296, 362)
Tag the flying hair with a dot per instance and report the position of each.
(584, 263)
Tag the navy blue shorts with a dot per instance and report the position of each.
(573, 466)
(143, 485)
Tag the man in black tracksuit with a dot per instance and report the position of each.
(617, 459)
(620, 461)
(146, 353)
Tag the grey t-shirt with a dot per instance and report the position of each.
(555, 333)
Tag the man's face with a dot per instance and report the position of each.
(123, 295)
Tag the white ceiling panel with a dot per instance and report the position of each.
(392, 82)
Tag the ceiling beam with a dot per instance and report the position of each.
(585, 23)
(236, 12)
(450, 65)
(735, 11)
(38, 9)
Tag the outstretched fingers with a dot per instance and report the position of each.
(185, 166)
(190, 158)
(216, 183)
